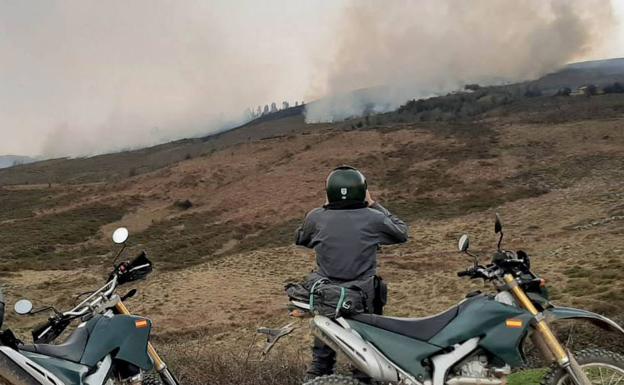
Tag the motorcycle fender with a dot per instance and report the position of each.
(562, 313)
(21, 369)
(124, 337)
(505, 339)
(360, 352)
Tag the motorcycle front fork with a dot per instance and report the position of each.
(165, 374)
(544, 337)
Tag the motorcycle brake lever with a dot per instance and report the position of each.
(129, 294)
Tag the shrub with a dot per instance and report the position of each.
(472, 87)
(615, 88)
(563, 91)
(200, 363)
(183, 204)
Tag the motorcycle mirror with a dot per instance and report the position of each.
(23, 306)
(498, 224)
(120, 235)
(464, 243)
(129, 294)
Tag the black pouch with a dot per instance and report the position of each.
(328, 298)
(333, 300)
(7, 338)
(381, 295)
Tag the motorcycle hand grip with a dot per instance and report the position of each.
(37, 332)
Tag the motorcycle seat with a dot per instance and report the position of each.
(70, 350)
(419, 328)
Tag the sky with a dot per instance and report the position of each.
(82, 77)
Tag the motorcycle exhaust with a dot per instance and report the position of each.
(14, 374)
(360, 352)
(475, 381)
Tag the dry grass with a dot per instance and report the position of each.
(54, 240)
(221, 263)
(200, 363)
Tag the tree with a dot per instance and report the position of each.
(532, 92)
(615, 88)
(592, 89)
(472, 87)
(564, 91)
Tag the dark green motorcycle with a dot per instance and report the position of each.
(479, 341)
(110, 346)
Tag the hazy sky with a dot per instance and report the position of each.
(86, 76)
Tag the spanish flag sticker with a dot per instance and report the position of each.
(514, 323)
(141, 324)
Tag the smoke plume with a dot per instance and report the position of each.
(81, 77)
(397, 50)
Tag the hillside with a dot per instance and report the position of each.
(460, 106)
(217, 214)
(598, 72)
(12, 160)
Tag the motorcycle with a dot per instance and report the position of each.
(109, 346)
(478, 341)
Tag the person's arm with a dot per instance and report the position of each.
(305, 233)
(393, 230)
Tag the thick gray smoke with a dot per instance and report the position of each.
(397, 50)
(81, 77)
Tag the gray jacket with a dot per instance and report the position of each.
(346, 241)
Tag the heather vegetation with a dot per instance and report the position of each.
(217, 216)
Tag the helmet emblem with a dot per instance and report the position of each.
(343, 191)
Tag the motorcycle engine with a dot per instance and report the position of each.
(478, 366)
(475, 366)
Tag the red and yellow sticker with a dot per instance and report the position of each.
(514, 323)
(141, 324)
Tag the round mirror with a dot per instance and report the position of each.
(120, 235)
(464, 243)
(23, 306)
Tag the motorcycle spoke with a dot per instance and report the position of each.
(599, 375)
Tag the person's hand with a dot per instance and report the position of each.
(369, 199)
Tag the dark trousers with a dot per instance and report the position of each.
(324, 357)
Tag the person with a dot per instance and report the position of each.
(345, 234)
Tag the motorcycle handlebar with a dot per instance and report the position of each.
(93, 300)
(49, 331)
(477, 272)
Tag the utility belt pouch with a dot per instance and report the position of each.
(381, 295)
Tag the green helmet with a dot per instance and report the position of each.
(346, 183)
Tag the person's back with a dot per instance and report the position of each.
(346, 239)
(345, 234)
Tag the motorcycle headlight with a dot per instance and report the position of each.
(506, 298)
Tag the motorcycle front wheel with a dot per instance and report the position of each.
(601, 366)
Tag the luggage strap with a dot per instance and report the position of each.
(343, 292)
(312, 293)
